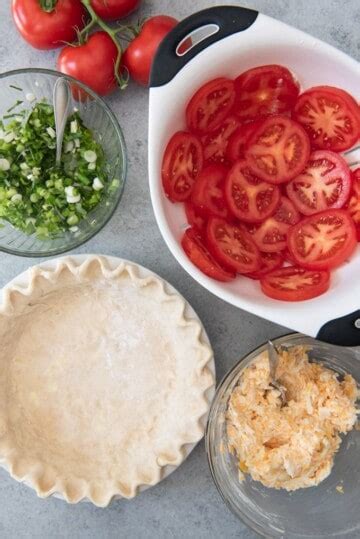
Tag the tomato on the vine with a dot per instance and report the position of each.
(112, 10)
(92, 63)
(139, 55)
(48, 27)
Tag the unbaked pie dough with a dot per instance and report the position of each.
(103, 381)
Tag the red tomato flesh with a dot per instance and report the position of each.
(182, 162)
(209, 107)
(215, 144)
(354, 202)
(295, 284)
(195, 219)
(278, 150)
(323, 241)
(271, 235)
(232, 246)
(202, 259)
(249, 198)
(330, 116)
(324, 183)
(238, 141)
(269, 262)
(208, 192)
(265, 90)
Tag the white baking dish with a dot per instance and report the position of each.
(244, 39)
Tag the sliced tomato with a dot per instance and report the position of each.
(210, 105)
(295, 284)
(238, 141)
(232, 246)
(265, 90)
(278, 150)
(324, 183)
(202, 259)
(354, 202)
(194, 217)
(215, 144)
(323, 241)
(182, 162)
(208, 193)
(330, 116)
(249, 198)
(269, 262)
(271, 235)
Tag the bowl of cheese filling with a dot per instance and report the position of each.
(290, 468)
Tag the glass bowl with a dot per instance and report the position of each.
(97, 116)
(315, 512)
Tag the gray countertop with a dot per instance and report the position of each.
(186, 504)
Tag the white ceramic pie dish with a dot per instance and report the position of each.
(243, 39)
(21, 282)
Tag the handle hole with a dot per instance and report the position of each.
(195, 37)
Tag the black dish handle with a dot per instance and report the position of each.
(344, 331)
(229, 19)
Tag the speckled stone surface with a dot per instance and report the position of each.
(187, 503)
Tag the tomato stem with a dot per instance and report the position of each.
(95, 19)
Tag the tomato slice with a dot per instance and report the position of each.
(269, 262)
(265, 90)
(233, 246)
(325, 183)
(323, 241)
(238, 141)
(271, 235)
(354, 202)
(182, 162)
(215, 144)
(295, 284)
(195, 219)
(208, 192)
(202, 259)
(278, 150)
(330, 116)
(249, 198)
(210, 105)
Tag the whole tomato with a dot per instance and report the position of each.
(48, 29)
(112, 10)
(139, 55)
(92, 63)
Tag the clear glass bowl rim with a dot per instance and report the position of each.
(120, 135)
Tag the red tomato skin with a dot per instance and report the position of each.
(353, 205)
(194, 218)
(44, 30)
(111, 10)
(201, 258)
(336, 260)
(139, 55)
(317, 289)
(91, 63)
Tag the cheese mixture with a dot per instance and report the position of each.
(291, 446)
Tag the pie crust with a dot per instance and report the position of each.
(104, 380)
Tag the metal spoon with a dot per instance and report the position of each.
(273, 362)
(61, 103)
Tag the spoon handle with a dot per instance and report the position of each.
(61, 102)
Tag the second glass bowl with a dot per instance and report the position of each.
(318, 512)
(97, 116)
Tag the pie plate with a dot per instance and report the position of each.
(108, 387)
(233, 40)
